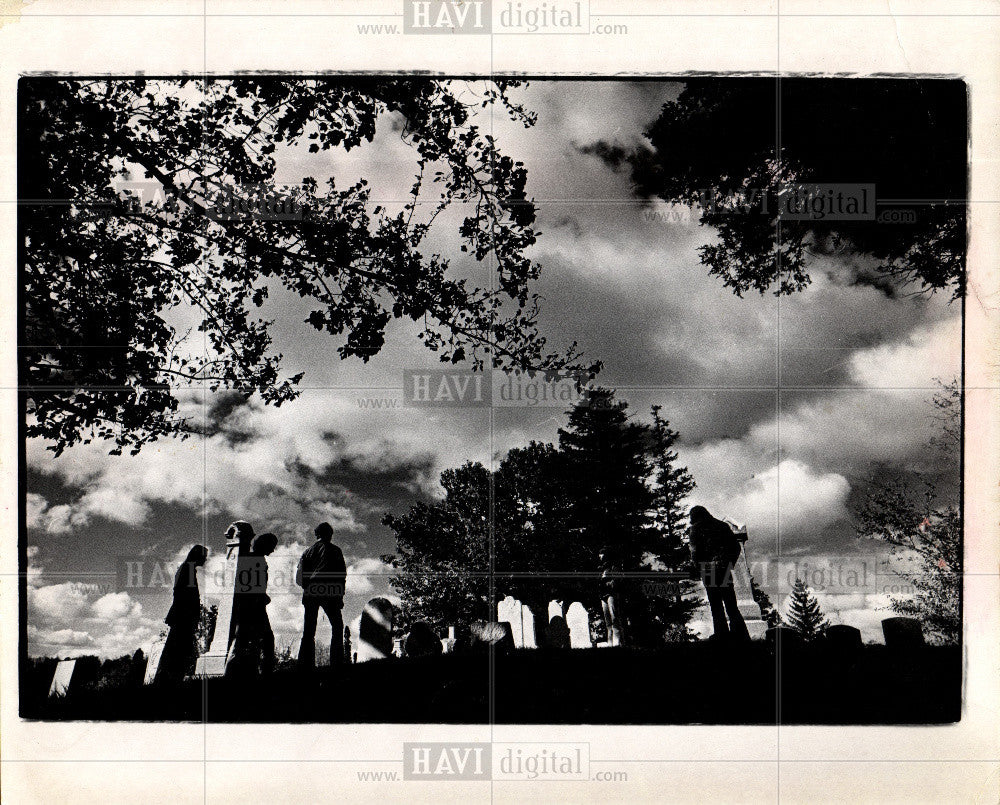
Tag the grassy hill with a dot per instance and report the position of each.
(679, 684)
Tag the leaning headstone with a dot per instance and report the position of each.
(902, 633)
(153, 663)
(422, 641)
(557, 633)
(213, 661)
(62, 677)
(843, 638)
(375, 630)
(496, 634)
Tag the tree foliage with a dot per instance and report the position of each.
(205, 630)
(804, 613)
(107, 275)
(537, 525)
(924, 529)
(730, 146)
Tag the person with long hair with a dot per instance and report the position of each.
(252, 652)
(715, 550)
(181, 649)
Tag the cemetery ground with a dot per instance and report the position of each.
(684, 683)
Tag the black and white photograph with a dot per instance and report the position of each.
(480, 391)
(418, 403)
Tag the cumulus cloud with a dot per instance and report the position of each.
(72, 618)
(792, 495)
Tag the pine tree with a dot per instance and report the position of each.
(804, 614)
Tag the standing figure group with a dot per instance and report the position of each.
(321, 573)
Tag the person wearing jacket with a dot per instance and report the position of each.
(322, 575)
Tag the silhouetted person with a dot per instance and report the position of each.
(242, 533)
(322, 574)
(181, 649)
(611, 599)
(252, 652)
(715, 550)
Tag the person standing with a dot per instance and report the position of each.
(611, 598)
(715, 551)
(181, 649)
(252, 652)
(322, 575)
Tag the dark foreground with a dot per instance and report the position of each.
(682, 684)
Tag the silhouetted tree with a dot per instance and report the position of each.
(442, 552)
(205, 630)
(105, 269)
(924, 533)
(717, 147)
(610, 483)
(804, 614)
(768, 613)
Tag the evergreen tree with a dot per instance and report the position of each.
(804, 614)
(535, 527)
(607, 467)
(669, 612)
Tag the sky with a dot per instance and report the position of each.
(785, 406)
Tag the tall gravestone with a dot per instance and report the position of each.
(579, 625)
(375, 630)
(213, 661)
(62, 677)
(153, 663)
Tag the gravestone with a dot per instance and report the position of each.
(448, 643)
(422, 641)
(153, 662)
(578, 622)
(62, 677)
(557, 633)
(213, 661)
(902, 633)
(783, 638)
(375, 630)
(512, 611)
(843, 638)
(497, 634)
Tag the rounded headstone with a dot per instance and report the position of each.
(842, 637)
(422, 641)
(902, 632)
(557, 633)
(783, 637)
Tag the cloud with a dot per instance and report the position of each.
(804, 498)
(360, 575)
(74, 618)
(925, 354)
(114, 606)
